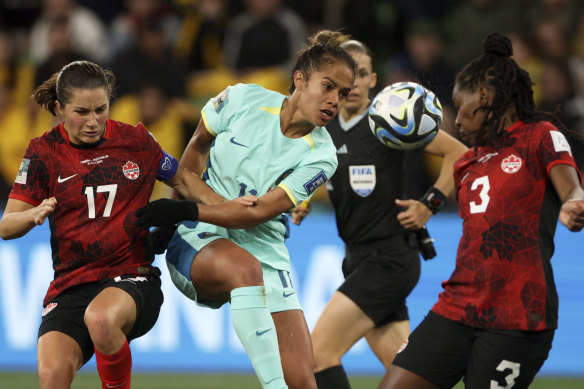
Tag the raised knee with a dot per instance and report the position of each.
(250, 273)
(100, 326)
(96, 321)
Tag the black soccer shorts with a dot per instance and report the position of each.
(66, 311)
(443, 351)
(379, 277)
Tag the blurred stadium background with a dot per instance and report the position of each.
(189, 339)
(171, 56)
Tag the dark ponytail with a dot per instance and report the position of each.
(76, 75)
(511, 84)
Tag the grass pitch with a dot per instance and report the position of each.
(229, 381)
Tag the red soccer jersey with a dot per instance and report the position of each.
(98, 188)
(503, 277)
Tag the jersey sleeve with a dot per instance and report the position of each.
(301, 183)
(32, 181)
(164, 164)
(554, 149)
(219, 110)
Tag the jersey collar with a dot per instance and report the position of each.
(347, 125)
(515, 125)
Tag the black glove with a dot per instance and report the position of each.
(159, 238)
(166, 212)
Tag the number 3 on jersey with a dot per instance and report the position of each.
(483, 184)
(89, 193)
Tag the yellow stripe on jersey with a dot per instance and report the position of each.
(272, 110)
(289, 193)
(309, 140)
(207, 126)
(276, 111)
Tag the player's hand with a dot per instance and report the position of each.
(247, 200)
(159, 238)
(572, 214)
(43, 210)
(415, 215)
(300, 212)
(166, 212)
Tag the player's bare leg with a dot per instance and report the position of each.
(386, 340)
(295, 349)
(59, 357)
(400, 378)
(223, 270)
(109, 317)
(222, 266)
(341, 324)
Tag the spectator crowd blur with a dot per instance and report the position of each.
(171, 56)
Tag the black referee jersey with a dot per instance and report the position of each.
(367, 181)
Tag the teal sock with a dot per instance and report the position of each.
(255, 328)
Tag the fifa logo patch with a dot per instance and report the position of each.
(362, 179)
(49, 308)
(560, 142)
(131, 170)
(511, 164)
(315, 182)
(22, 172)
(220, 100)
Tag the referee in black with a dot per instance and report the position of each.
(381, 264)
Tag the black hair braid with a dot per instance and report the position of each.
(511, 84)
(497, 45)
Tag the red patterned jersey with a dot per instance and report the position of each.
(503, 276)
(98, 188)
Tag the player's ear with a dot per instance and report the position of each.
(299, 79)
(58, 108)
(373, 80)
(486, 95)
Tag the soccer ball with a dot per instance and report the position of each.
(405, 116)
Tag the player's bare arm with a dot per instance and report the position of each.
(193, 163)
(300, 212)
(567, 185)
(190, 186)
(449, 148)
(20, 217)
(416, 213)
(196, 153)
(243, 212)
(234, 215)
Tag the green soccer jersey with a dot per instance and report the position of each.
(250, 155)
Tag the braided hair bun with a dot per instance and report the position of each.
(323, 48)
(497, 45)
(327, 37)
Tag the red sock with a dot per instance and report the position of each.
(115, 370)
